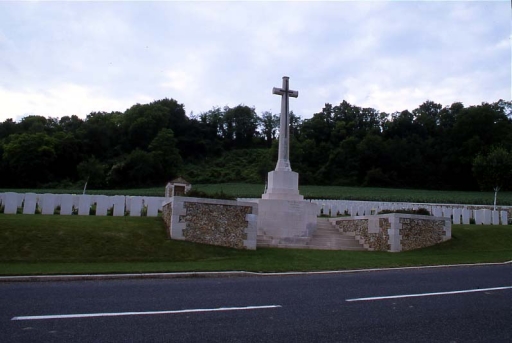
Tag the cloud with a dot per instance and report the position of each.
(63, 100)
(71, 58)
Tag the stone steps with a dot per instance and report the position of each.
(314, 247)
(326, 237)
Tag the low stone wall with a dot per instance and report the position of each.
(396, 232)
(211, 221)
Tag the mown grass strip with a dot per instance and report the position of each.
(36, 244)
(244, 190)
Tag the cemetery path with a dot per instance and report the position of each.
(420, 305)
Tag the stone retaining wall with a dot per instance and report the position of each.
(396, 232)
(418, 233)
(211, 221)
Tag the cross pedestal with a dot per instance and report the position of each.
(283, 215)
(283, 185)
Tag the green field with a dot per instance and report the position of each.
(36, 244)
(244, 190)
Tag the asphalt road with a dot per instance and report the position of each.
(307, 308)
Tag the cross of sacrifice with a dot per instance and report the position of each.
(283, 162)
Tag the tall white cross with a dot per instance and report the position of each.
(283, 161)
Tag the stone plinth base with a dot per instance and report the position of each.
(283, 221)
(283, 185)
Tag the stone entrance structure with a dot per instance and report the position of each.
(177, 187)
(283, 215)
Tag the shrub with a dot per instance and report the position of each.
(218, 195)
(419, 211)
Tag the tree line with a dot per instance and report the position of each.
(430, 147)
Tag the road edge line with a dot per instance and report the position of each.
(171, 275)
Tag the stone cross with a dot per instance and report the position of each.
(283, 161)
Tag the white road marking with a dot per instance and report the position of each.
(220, 274)
(116, 314)
(430, 294)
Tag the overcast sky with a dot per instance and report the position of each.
(64, 58)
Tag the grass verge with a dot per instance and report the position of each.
(32, 245)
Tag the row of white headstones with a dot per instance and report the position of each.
(68, 204)
(120, 205)
(460, 214)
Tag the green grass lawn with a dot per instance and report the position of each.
(36, 244)
(246, 190)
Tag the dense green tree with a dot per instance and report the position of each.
(166, 158)
(494, 170)
(213, 121)
(295, 124)
(7, 128)
(68, 154)
(92, 172)
(101, 134)
(133, 170)
(29, 156)
(70, 124)
(141, 123)
(241, 124)
(269, 127)
(428, 147)
(33, 124)
(428, 116)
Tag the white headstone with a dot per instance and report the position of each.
(66, 204)
(119, 205)
(135, 206)
(504, 217)
(103, 203)
(153, 204)
(84, 204)
(447, 212)
(495, 218)
(487, 217)
(11, 203)
(466, 214)
(479, 216)
(437, 212)
(319, 206)
(29, 207)
(456, 215)
(48, 204)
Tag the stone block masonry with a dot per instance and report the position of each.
(210, 221)
(396, 232)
